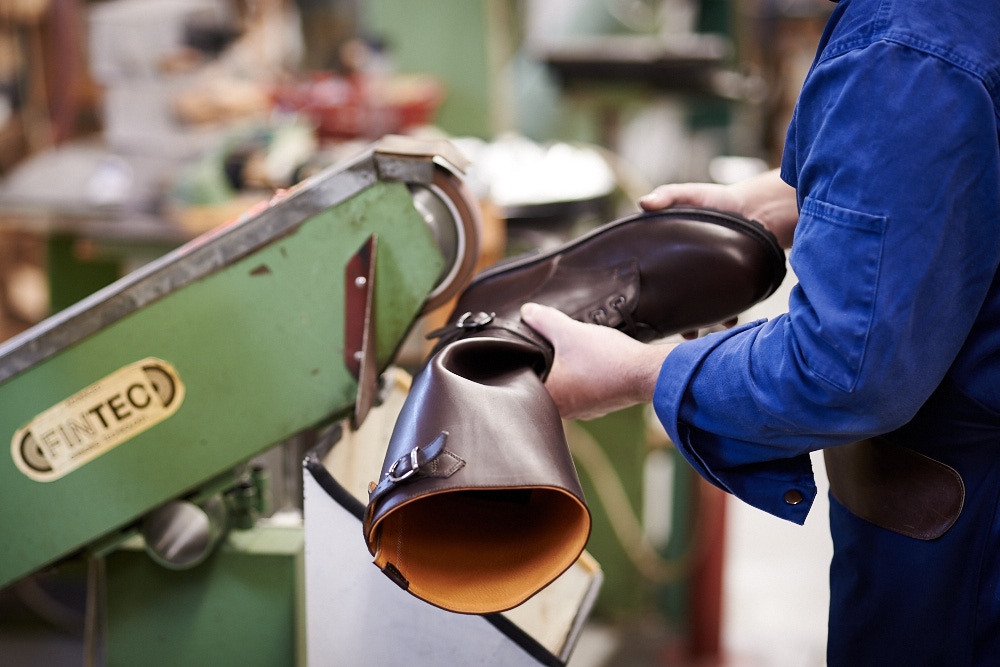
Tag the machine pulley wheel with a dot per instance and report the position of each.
(452, 214)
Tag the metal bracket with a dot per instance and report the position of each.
(359, 326)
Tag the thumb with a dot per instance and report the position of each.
(546, 320)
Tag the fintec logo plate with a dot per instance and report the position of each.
(97, 419)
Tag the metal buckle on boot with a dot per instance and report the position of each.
(474, 321)
(470, 321)
(414, 466)
(442, 464)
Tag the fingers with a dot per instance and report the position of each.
(661, 197)
(596, 369)
(671, 194)
(545, 320)
(711, 195)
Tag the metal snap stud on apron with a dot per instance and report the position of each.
(793, 497)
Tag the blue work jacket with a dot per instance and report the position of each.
(894, 325)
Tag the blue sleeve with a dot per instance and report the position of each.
(894, 156)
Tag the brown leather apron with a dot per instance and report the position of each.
(895, 487)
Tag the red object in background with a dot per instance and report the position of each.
(361, 106)
(705, 646)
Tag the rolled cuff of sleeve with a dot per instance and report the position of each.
(784, 487)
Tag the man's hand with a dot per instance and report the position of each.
(596, 370)
(764, 198)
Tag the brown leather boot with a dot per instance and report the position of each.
(650, 275)
(479, 505)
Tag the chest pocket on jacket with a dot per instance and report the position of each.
(837, 256)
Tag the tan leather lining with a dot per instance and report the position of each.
(497, 545)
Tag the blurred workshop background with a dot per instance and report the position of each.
(130, 127)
